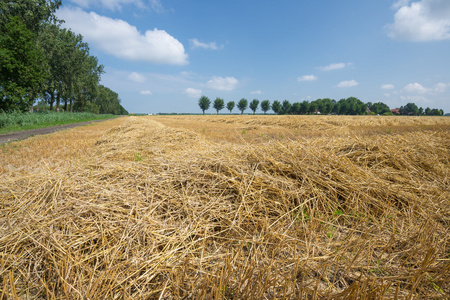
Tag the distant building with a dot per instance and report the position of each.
(395, 111)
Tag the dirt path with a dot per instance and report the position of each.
(22, 135)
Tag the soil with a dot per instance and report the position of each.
(22, 135)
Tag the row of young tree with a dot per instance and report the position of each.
(40, 60)
(349, 106)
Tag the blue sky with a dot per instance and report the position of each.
(162, 55)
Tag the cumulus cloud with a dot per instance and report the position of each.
(146, 93)
(118, 38)
(307, 78)
(415, 99)
(417, 88)
(425, 20)
(223, 83)
(197, 44)
(193, 93)
(336, 66)
(117, 4)
(348, 83)
(258, 92)
(136, 77)
(387, 87)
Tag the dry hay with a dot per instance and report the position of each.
(149, 211)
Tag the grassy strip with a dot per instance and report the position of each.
(12, 122)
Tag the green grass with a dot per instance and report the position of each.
(16, 121)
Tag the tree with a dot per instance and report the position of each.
(409, 109)
(295, 109)
(286, 107)
(379, 108)
(276, 107)
(21, 66)
(242, 105)
(204, 103)
(32, 13)
(254, 105)
(218, 104)
(230, 106)
(304, 107)
(106, 102)
(265, 106)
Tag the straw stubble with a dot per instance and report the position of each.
(154, 211)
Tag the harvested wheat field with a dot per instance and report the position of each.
(229, 207)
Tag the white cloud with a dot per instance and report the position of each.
(307, 78)
(223, 83)
(425, 20)
(336, 66)
(117, 37)
(258, 92)
(400, 3)
(440, 87)
(415, 99)
(193, 93)
(136, 77)
(146, 92)
(387, 87)
(197, 44)
(348, 83)
(415, 88)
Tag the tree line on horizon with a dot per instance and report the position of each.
(348, 106)
(42, 62)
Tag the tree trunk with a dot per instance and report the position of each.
(52, 99)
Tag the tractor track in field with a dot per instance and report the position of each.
(22, 135)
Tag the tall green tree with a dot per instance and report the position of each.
(265, 106)
(295, 109)
(21, 63)
(242, 105)
(107, 102)
(21, 66)
(304, 107)
(32, 13)
(218, 104)
(409, 109)
(204, 103)
(254, 105)
(230, 106)
(379, 108)
(276, 107)
(286, 107)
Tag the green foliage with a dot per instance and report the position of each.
(265, 106)
(32, 13)
(21, 71)
(242, 105)
(230, 106)
(378, 108)
(276, 107)
(108, 102)
(409, 109)
(218, 104)
(41, 60)
(254, 105)
(286, 107)
(204, 103)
